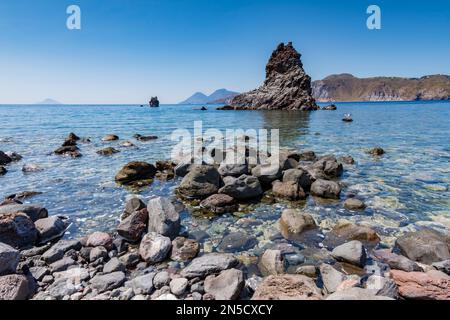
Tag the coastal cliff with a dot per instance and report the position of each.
(286, 86)
(346, 87)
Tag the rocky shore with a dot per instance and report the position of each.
(153, 255)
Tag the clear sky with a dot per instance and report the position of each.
(128, 50)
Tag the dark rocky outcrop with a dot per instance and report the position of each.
(154, 102)
(135, 171)
(286, 87)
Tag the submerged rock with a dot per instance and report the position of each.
(110, 137)
(426, 246)
(237, 241)
(107, 151)
(345, 231)
(226, 286)
(354, 204)
(144, 138)
(31, 167)
(135, 171)
(184, 249)
(287, 287)
(72, 151)
(287, 86)
(292, 223)
(377, 151)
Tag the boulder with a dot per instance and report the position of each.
(325, 189)
(345, 231)
(301, 177)
(396, 261)
(207, 264)
(161, 279)
(243, 188)
(35, 212)
(178, 286)
(377, 151)
(163, 218)
(144, 138)
(432, 285)
(98, 238)
(31, 167)
(292, 223)
(4, 158)
(220, 204)
(110, 137)
(331, 278)
(271, 263)
(226, 286)
(356, 294)
(107, 151)
(98, 252)
(347, 159)
(267, 173)
(72, 151)
(425, 246)
(287, 287)
(330, 107)
(289, 190)
(443, 266)
(14, 156)
(132, 205)
(109, 281)
(134, 226)
(307, 156)
(57, 251)
(354, 204)
(236, 242)
(135, 171)
(15, 287)
(233, 170)
(329, 166)
(142, 284)
(17, 230)
(286, 86)
(352, 252)
(113, 265)
(51, 228)
(201, 182)
(154, 247)
(184, 249)
(9, 259)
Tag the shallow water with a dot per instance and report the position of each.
(406, 188)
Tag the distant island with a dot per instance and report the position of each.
(217, 97)
(48, 101)
(346, 87)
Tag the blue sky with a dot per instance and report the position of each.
(128, 50)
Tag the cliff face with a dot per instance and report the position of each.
(345, 87)
(287, 86)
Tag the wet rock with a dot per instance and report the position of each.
(271, 263)
(178, 286)
(233, 170)
(209, 264)
(220, 204)
(331, 278)
(132, 205)
(267, 174)
(134, 226)
(432, 285)
(14, 287)
(330, 166)
(108, 281)
(154, 247)
(135, 171)
(345, 231)
(56, 252)
(396, 261)
(51, 228)
(356, 294)
(62, 265)
(35, 212)
(97, 239)
(184, 249)
(201, 182)
(72, 136)
(31, 167)
(289, 190)
(443, 266)
(142, 284)
(14, 156)
(3, 171)
(347, 159)
(163, 218)
(331, 107)
(325, 189)
(107, 151)
(182, 169)
(243, 188)
(72, 151)
(127, 144)
(110, 137)
(9, 259)
(287, 287)
(292, 223)
(377, 151)
(144, 138)
(226, 286)
(352, 252)
(354, 204)
(286, 86)
(98, 252)
(301, 177)
(237, 241)
(161, 279)
(383, 286)
(17, 230)
(308, 156)
(425, 246)
(4, 158)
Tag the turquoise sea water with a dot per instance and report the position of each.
(406, 188)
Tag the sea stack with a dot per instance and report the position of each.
(154, 102)
(287, 86)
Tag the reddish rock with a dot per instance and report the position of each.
(345, 231)
(220, 204)
(97, 239)
(184, 249)
(134, 226)
(290, 190)
(433, 285)
(14, 287)
(287, 287)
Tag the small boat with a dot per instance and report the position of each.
(347, 118)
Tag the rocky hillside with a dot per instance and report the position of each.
(287, 86)
(346, 87)
(217, 97)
